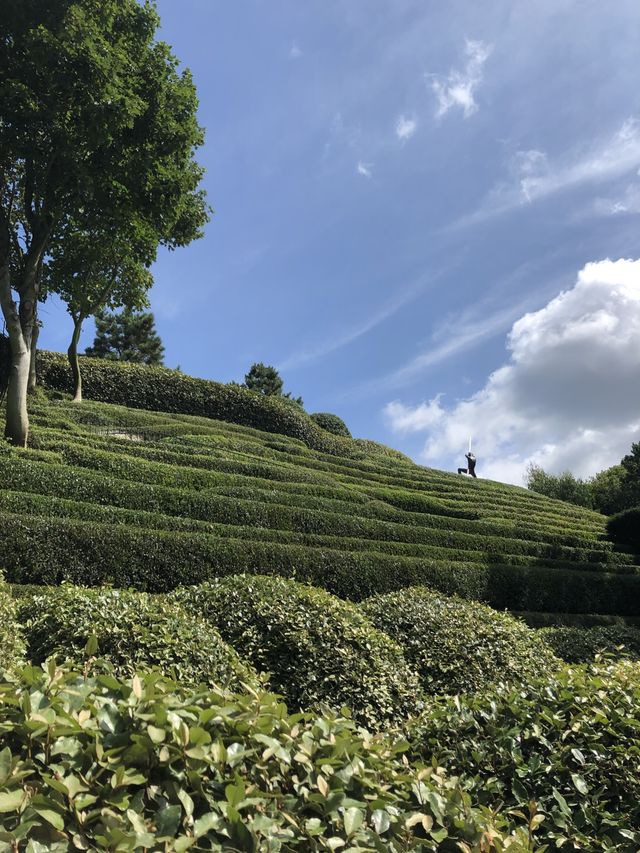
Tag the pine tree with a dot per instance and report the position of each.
(127, 336)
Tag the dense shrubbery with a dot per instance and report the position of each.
(319, 650)
(456, 646)
(331, 423)
(580, 645)
(160, 389)
(142, 765)
(12, 650)
(625, 527)
(129, 631)
(570, 743)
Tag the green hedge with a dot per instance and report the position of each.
(624, 527)
(159, 389)
(581, 645)
(12, 647)
(142, 766)
(319, 650)
(331, 423)
(130, 631)
(49, 551)
(568, 743)
(457, 646)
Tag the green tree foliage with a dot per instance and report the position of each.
(265, 379)
(127, 336)
(631, 483)
(94, 116)
(624, 527)
(608, 490)
(563, 487)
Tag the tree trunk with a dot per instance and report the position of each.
(16, 429)
(33, 377)
(72, 354)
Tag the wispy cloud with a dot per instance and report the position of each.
(535, 177)
(405, 127)
(342, 339)
(364, 169)
(295, 52)
(458, 88)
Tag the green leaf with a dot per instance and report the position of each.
(353, 818)
(11, 801)
(580, 783)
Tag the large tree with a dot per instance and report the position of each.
(127, 336)
(265, 379)
(95, 120)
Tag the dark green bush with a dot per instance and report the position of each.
(624, 527)
(159, 389)
(132, 631)
(457, 646)
(581, 645)
(331, 423)
(12, 649)
(568, 742)
(99, 764)
(319, 650)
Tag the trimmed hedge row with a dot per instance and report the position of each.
(61, 480)
(130, 631)
(12, 647)
(331, 423)
(318, 649)
(159, 389)
(49, 551)
(457, 646)
(581, 645)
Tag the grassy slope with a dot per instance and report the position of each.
(201, 497)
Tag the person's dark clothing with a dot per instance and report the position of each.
(471, 470)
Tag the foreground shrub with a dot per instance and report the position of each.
(580, 645)
(570, 742)
(331, 423)
(11, 640)
(319, 650)
(106, 765)
(624, 527)
(129, 630)
(458, 646)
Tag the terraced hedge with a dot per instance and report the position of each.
(176, 499)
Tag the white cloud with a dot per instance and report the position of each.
(534, 177)
(567, 398)
(626, 202)
(295, 52)
(364, 169)
(405, 127)
(458, 88)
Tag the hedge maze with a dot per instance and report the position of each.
(112, 493)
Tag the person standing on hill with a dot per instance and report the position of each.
(471, 461)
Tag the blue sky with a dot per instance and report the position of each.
(396, 184)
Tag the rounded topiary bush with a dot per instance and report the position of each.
(624, 527)
(457, 646)
(331, 423)
(319, 649)
(580, 645)
(132, 631)
(568, 742)
(11, 639)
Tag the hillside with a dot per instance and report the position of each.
(152, 500)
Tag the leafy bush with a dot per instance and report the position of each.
(331, 423)
(159, 389)
(11, 640)
(568, 742)
(319, 650)
(456, 646)
(141, 765)
(131, 630)
(624, 527)
(580, 645)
